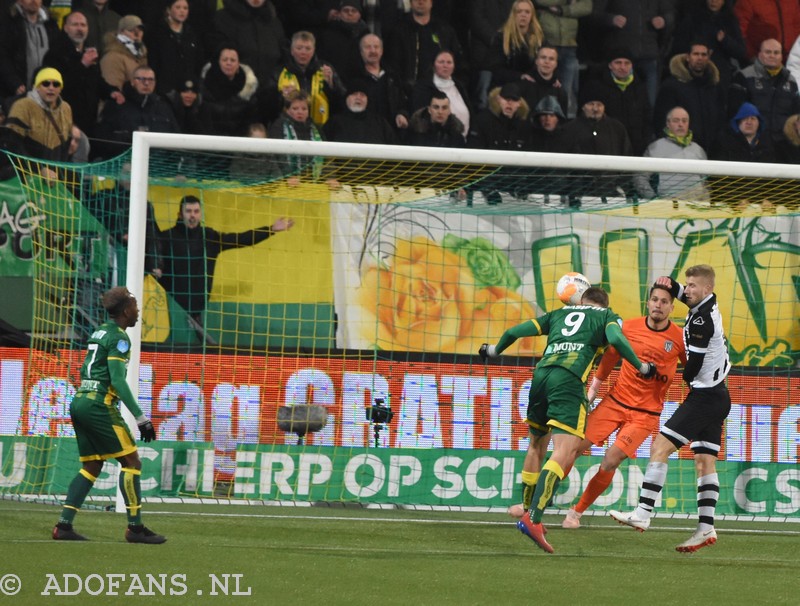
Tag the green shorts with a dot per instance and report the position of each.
(99, 428)
(557, 401)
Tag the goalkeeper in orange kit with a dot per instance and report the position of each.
(633, 404)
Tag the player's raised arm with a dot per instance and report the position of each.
(675, 288)
(618, 340)
(607, 364)
(529, 328)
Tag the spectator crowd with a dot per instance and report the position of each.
(694, 79)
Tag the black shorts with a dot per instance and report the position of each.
(699, 420)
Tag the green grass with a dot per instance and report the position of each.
(328, 555)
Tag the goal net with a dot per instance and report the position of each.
(268, 358)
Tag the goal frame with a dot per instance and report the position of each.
(145, 141)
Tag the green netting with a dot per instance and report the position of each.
(392, 276)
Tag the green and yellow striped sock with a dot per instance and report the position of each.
(546, 487)
(76, 494)
(131, 486)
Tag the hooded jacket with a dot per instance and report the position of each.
(492, 130)
(224, 114)
(733, 146)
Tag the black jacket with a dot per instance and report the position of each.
(176, 58)
(256, 33)
(188, 258)
(412, 48)
(776, 97)
(13, 44)
(139, 112)
(630, 106)
(490, 129)
(362, 127)
(702, 97)
(424, 132)
(84, 87)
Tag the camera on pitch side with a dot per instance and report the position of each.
(379, 413)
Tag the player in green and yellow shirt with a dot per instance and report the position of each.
(99, 427)
(557, 403)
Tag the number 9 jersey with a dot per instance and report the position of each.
(576, 335)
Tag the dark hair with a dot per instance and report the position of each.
(116, 300)
(547, 46)
(189, 200)
(227, 46)
(595, 294)
(437, 94)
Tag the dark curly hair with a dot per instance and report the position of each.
(116, 300)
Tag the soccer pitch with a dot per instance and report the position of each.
(235, 554)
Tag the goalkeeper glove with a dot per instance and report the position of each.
(674, 287)
(487, 351)
(146, 429)
(648, 370)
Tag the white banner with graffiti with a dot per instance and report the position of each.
(411, 279)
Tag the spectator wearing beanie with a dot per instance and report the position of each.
(548, 127)
(593, 132)
(42, 121)
(338, 40)
(625, 97)
(355, 123)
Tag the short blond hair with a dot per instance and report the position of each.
(702, 271)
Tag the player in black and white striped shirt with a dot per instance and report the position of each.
(699, 420)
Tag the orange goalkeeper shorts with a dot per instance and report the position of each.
(634, 425)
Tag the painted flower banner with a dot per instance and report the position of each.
(412, 279)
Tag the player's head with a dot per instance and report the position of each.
(191, 212)
(595, 296)
(121, 306)
(699, 283)
(660, 304)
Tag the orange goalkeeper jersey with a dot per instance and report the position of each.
(662, 347)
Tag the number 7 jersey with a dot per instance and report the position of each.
(106, 343)
(576, 334)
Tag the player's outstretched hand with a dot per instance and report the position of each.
(671, 285)
(648, 370)
(282, 224)
(147, 430)
(487, 351)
